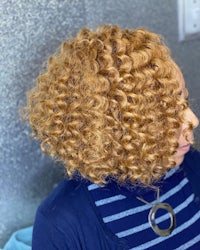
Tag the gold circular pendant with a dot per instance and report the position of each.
(152, 216)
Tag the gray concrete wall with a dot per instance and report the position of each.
(30, 30)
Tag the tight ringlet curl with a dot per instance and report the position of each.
(108, 105)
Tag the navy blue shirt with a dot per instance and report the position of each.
(127, 217)
(71, 218)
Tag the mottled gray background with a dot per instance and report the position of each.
(30, 30)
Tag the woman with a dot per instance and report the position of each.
(112, 106)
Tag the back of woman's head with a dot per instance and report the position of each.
(108, 105)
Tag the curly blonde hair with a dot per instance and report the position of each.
(109, 105)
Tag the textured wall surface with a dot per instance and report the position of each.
(30, 30)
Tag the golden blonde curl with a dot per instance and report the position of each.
(109, 106)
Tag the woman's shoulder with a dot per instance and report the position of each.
(64, 201)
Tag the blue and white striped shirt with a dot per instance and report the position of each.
(127, 217)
